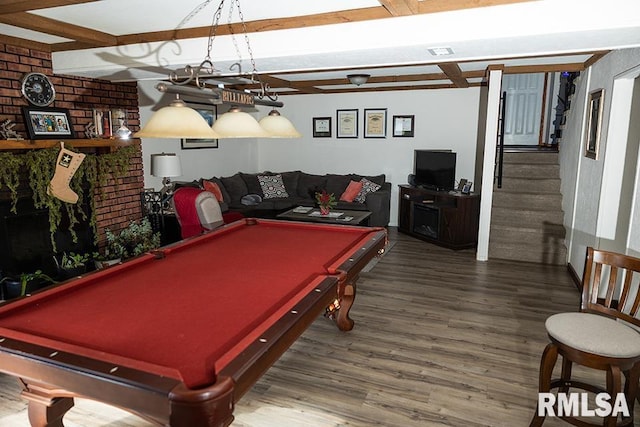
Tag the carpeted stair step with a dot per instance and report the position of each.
(531, 201)
(530, 185)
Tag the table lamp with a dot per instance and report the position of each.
(165, 165)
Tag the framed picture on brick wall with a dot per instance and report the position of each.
(47, 123)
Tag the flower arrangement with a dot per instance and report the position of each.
(326, 201)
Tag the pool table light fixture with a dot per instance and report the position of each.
(232, 124)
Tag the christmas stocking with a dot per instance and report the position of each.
(66, 166)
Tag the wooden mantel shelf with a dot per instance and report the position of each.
(32, 144)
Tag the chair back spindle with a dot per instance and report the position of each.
(610, 285)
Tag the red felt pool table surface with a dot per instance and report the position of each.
(190, 309)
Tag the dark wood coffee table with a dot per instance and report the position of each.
(336, 216)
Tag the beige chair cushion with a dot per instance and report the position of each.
(594, 334)
(209, 211)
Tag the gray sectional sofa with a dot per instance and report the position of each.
(243, 192)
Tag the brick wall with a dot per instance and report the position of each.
(121, 203)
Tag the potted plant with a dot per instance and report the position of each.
(13, 287)
(135, 239)
(72, 264)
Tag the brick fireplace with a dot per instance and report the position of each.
(119, 203)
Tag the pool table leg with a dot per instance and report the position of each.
(346, 296)
(45, 410)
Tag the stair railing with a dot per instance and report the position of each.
(500, 141)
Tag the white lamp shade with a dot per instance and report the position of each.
(279, 126)
(165, 165)
(238, 124)
(177, 121)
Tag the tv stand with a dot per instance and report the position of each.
(448, 219)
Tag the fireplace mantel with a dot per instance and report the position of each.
(33, 144)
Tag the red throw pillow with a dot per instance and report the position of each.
(352, 191)
(213, 188)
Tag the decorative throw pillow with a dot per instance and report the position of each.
(213, 188)
(272, 186)
(353, 189)
(367, 187)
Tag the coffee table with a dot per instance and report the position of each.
(338, 216)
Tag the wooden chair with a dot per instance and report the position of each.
(601, 336)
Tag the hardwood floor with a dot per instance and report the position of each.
(440, 340)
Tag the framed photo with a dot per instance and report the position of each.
(47, 123)
(347, 123)
(210, 114)
(119, 123)
(375, 123)
(594, 123)
(322, 127)
(403, 126)
(102, 123)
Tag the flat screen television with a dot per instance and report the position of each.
(435, 169)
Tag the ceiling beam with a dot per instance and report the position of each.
(57, 28)
(400, 7)
(435, 6)
(454, 73)
(339, 17)
(15, 6)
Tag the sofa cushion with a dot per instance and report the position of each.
(309, 184)
(290, 180)
(336, 184)
(236, 188)
(353, 189)
(188, 184)
(272, 186)
(253, 185)
(367, 187)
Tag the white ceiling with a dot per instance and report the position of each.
(549, 34)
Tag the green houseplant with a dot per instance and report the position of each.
(13, 287)
(135, 239)
(72, 264)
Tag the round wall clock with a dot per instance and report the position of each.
(38, 90)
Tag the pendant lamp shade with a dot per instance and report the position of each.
(177, 121)
(279, 126)
(238, 124)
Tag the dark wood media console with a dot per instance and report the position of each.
(443, 218)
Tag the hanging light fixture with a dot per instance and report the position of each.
(177, 121)
(279, 126)
(191, 81)
(237, 124)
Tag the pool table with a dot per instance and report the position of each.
(177, 336)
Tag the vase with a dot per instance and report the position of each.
(324, 210)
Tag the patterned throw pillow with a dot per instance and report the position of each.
(367, 187)
(272, 186)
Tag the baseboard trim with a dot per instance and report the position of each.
(576, 279)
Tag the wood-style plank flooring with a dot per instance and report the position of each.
(440, 340)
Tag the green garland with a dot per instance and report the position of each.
(10, 176)
(96, 169)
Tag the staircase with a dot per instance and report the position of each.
(527, 217)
